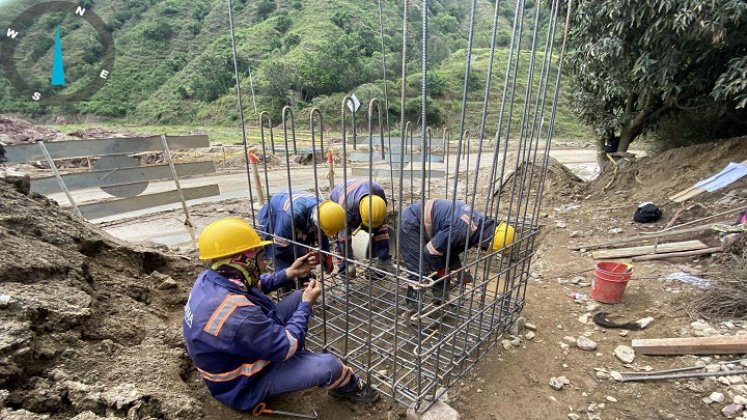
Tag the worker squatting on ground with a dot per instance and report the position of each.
(246, 347)
(365, 208)
(275, 217)
(447, 228)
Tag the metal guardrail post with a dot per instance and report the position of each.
(170, 161)
(59, 178)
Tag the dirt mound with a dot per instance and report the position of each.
(663, 175)
(15, 131)
(103, 133)
(88, 325)
(559, 181)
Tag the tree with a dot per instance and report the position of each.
(264, 9)
(634, 62)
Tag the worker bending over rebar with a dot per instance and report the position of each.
(246, 347)
(449, 228)
(295, 218)
(365, 208)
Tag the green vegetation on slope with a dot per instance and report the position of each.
(174, 62)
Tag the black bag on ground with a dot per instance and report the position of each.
(647, 212)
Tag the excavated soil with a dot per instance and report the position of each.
(88, 322)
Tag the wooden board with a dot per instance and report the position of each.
(691, 345)
(691, 192)
(645, 237)
(678, 254)
(648, 249)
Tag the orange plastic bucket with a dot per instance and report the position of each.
(610, 279)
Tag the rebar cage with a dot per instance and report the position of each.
(414, 356)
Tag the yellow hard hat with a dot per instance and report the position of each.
(504, 236)
(331, 218)
(228, 236)
(373, 208)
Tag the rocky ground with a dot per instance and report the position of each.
(91, 325)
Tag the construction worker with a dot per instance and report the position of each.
(246, 347)
(275, 217)
(447, 229)
(365, 208)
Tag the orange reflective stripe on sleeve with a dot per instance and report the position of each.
(287, 202)
(428, 222)
(432, 249)
(352, 185)
(466, 219)
(247, 369)
(293, 345)
(381, 237)
(280, 241)
(224, 310)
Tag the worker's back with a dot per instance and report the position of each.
(234, 336)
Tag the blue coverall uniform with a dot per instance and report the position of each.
(355, 191)
(440, 233)
(247, 348)
(275, 219)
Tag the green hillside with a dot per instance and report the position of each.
(174, 63)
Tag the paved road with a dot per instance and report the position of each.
(234, 185)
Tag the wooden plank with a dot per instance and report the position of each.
(681, 193)
(119, 176)
(678, 254)
(124, 205)
(694, 193)
(22, 153)
(642, 237)
(648, 249)
(691, 345)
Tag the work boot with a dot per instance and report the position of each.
(385, 265)
(348, 272)
(361, 394)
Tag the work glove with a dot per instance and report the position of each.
(328, 265)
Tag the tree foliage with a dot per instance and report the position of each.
(635, 62)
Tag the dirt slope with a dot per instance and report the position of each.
(86, 320)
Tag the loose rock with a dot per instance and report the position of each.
(624, 353)
(506, 344)
(716, 397)
(559, 382)
(732, 410)
(571, 341)
(529, 335)
(585, 343)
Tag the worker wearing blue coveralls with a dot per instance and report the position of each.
(447, 229)
(365, 208)
(246, 347)
(275, 218)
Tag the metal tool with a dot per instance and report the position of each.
(261, 409)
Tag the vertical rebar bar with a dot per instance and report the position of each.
(316, 111)
(240, 103)
(287, 110)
